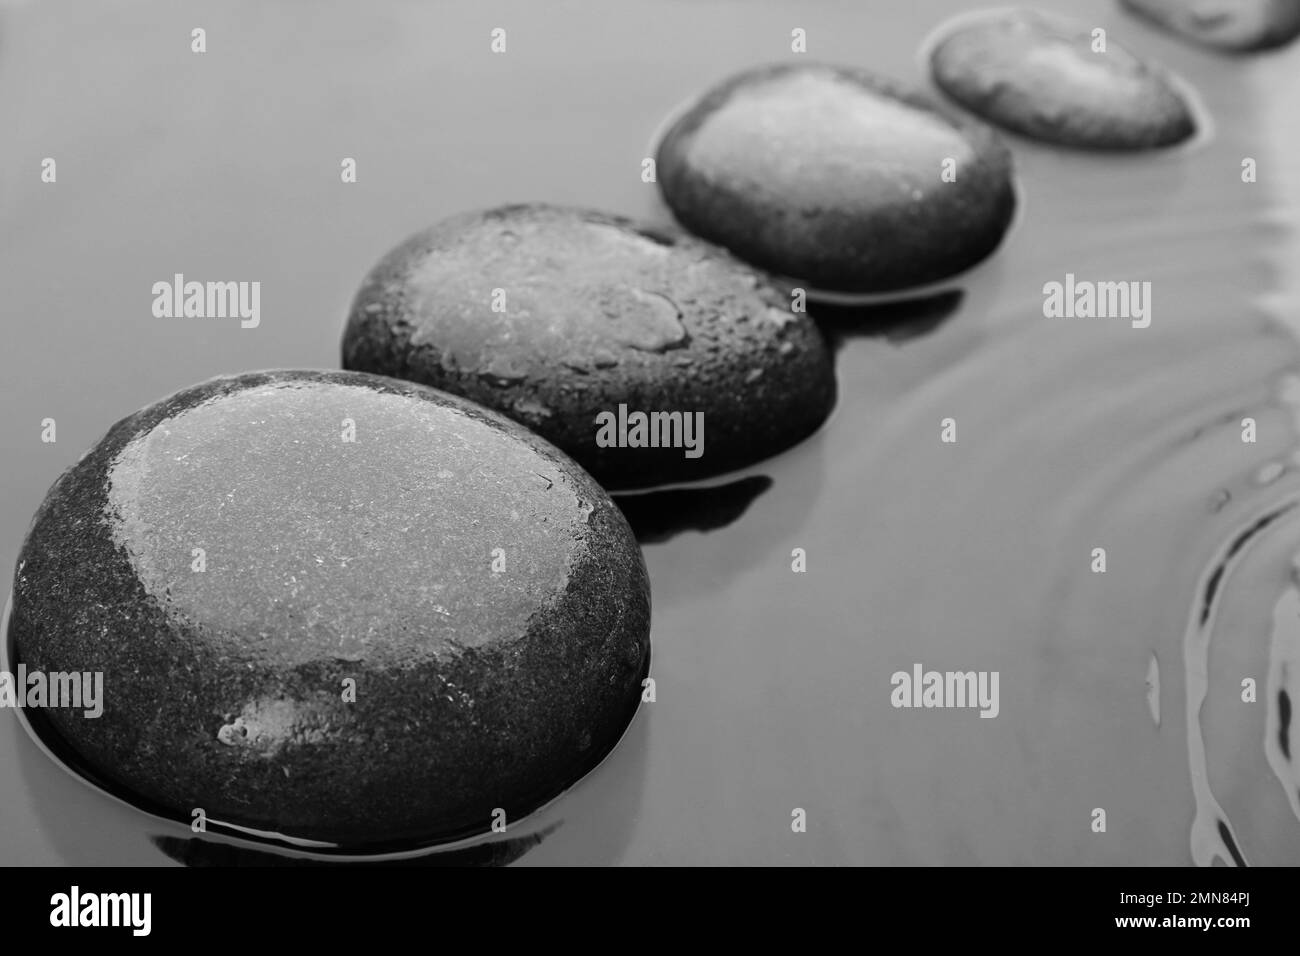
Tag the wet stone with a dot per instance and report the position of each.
(1240, 26)
(1039, 75)
(837, 177)
(336, 607)
(581, 321)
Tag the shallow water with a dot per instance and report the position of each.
(773, 688)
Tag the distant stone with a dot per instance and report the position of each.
(1038, 74)
(336, 607)
(837, 177)
(584, 326)
(1234, 25)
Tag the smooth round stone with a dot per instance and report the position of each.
(834, 176)
(332, 564)
(554, 316)
(1234, 25)
(1036, 74)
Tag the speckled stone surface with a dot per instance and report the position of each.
(832, 176)
(1239, 26)
(596, 311)
(1037, 75)
(328, 561)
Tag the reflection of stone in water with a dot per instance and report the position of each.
(200, 852)
(656, 516)
(895, 322)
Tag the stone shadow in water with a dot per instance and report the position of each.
(657, 516)
(895, 322)
(199, 852)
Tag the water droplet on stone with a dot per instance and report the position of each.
(781, 317)
(650, 322)
(530, 408)
(502, 370)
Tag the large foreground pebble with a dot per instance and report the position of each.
(335, 606)
(836, 177)
(1236, 25)
(578, 324)
(1038, 75)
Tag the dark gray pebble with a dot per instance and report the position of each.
(1239, 26)
(234, 565)
(837, 177)
(1038, 74)
(558, 316)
